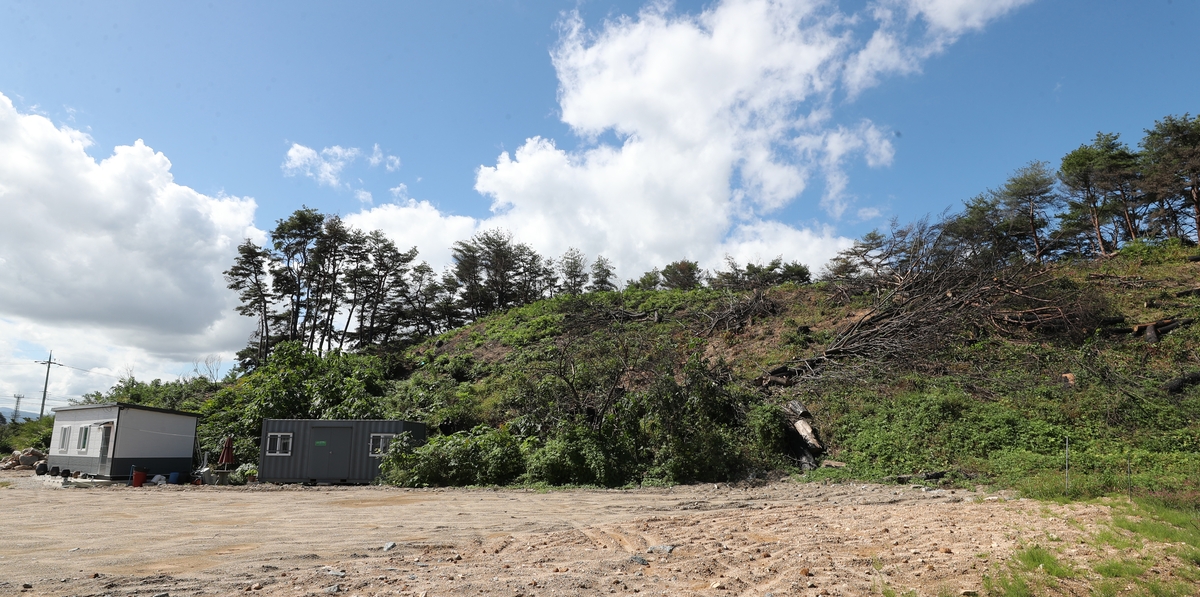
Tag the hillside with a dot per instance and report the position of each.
(671, 386)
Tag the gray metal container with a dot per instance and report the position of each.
(327, 451)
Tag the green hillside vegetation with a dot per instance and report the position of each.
(973, 344)
(671, 386)
(628, 388)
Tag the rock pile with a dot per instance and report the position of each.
(23, 460)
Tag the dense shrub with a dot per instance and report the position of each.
(30, 433)
(481, 456)
(293, 384)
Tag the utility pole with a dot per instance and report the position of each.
(49, 361)
(16, 414)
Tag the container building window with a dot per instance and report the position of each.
(279, 444)
(380, 443)
(64, 438)
(82, 445)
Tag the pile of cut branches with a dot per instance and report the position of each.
(925, 286)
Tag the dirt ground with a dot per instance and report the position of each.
(782, 538)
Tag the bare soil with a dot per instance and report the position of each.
(782, 538)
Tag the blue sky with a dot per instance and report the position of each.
(630, 166)
(223, 88)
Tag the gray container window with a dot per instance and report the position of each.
(380, 443)
(279, 444)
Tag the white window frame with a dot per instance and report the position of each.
(383, 445)
(64, 439)
(82, 443)
(279, 441)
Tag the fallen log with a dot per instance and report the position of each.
(1182, 382)
(804, 428)
(1161, 326)
(1188, 292)
(1174, 325)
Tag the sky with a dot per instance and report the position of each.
(140, 142)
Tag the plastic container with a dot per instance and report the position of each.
(173, 478)
(139, 476)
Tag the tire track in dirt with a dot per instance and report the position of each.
(784, 538)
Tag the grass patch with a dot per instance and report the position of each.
(1155, 588)
(1037, 558)
(1119, 569)
(1107, 588)
(1157, 530)
(1006, 585)
(1116, 540)
(4, 484)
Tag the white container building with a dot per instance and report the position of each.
(107, 440)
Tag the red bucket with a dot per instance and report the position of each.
(139, 478)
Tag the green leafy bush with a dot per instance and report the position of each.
(481, 456)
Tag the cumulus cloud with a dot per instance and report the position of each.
(391, 162)
(110, 262)
(722, 118)
(324, 167)
(953, 17)
(420, 224)
(910, 31)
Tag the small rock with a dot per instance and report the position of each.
(969, 593)
(661, 549)
(256, 586)
(333, 589)
(164, 594)
(337, 573)
(946, 550)
(833, 464)
(457, 557)
(720, 586)
(73, 549)
(636, 559)
(812, 585)
(389, 546)
(805, 572)
(26, 586)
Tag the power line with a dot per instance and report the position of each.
(90, 371)
(67, 366)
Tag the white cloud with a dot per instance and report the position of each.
(325, 167)
(364, 196)
(956, 16)
(110, 263)
(722, 118)
(420, 224)
(399, 192)
(391, 162)
(911, 31)
(698, 101)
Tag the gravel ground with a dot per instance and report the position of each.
(782, 538)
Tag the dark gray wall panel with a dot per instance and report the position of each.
(363, 468)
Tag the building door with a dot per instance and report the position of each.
(329, 454)
(105, 441)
